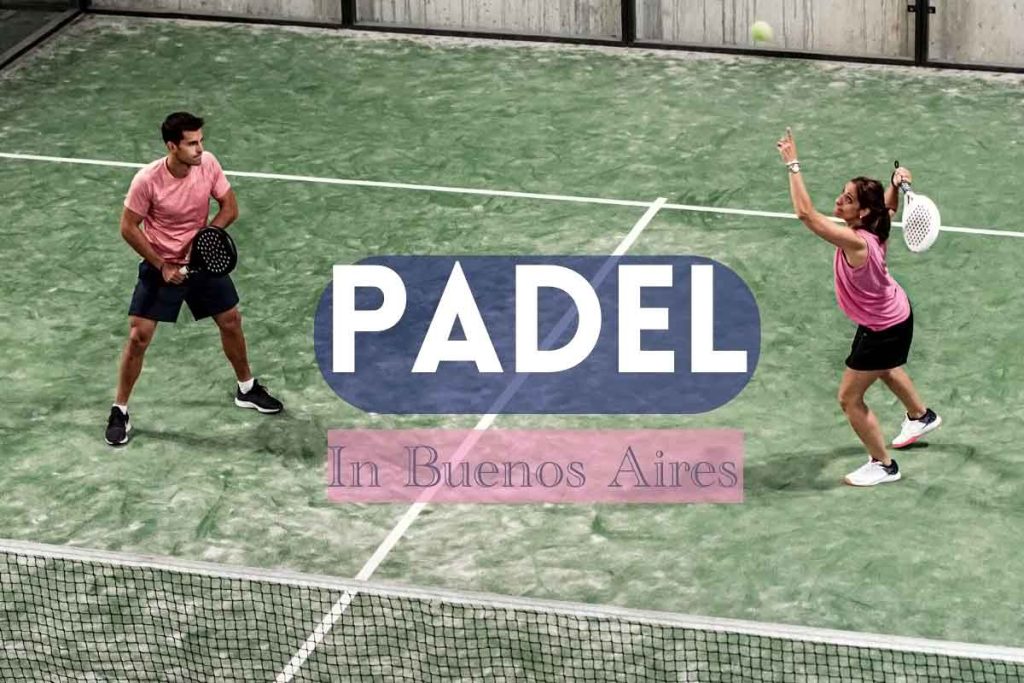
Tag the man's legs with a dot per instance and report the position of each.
(140, 334)
(250, 394)
(232, 339)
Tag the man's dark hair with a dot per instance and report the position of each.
(174, 126)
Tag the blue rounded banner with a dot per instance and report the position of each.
(537, 334)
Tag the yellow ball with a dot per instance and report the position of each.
(761, 31)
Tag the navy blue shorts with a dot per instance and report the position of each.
(882, 350)
(205, 295)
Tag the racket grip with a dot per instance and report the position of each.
(184, 271)
(904, 185)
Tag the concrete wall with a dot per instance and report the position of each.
(964, 31)
(324, 11)
(579, 18)
(851, 27)
(977, 31)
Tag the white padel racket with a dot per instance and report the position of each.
(921, 219)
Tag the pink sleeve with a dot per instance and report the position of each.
(220, 181)
(140, 194)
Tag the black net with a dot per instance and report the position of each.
(94, 618)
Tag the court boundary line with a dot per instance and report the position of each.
(351, 182)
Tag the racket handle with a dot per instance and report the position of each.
(904, 185)
(184, 271)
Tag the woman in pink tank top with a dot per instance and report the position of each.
(871, 298)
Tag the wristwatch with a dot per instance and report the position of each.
(794, 166)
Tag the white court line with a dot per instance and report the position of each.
(695, 208)
(407, 519)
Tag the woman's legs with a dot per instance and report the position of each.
(900, 384)
(852, 388)
(920, 419)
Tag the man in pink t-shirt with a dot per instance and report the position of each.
(872, 299)
(171, 198)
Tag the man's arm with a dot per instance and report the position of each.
(228, 212)
(131, 231)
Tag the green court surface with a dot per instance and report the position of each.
(934, 555)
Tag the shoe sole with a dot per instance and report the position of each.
(127, 437)
(890, 478)
(250, 404)
(929, 428)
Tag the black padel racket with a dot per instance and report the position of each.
(212, 252)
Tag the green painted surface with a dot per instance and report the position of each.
(936, 555)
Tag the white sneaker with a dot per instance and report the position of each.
(912, 430)
(873, 472)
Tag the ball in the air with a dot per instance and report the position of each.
(761, 31)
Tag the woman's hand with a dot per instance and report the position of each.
(787, 147)
(899, 175)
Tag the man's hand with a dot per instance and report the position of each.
(787, 147)
(171, 274)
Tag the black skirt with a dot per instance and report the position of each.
(882, 350)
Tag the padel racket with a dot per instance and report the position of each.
(921, 219)
(212, 252)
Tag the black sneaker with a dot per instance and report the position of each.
(258, 398)
(118, 427)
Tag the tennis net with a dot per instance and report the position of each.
(75, 615)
